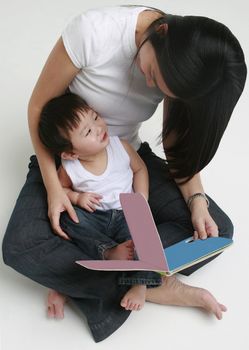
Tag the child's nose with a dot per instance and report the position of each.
(99, 129)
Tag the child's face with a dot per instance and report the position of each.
(90, 136)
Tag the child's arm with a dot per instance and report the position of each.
(140, 173)
(86, 200)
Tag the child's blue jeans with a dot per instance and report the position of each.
(103, 230)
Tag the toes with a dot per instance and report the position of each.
(55, 305)
(218, 314)
(131, 306)
(138, 307)
(50, 311)
(130, 256)
(123, 303)
(59, 313)
(126, 303)
(135, 306)
(130, 244)
(223, 307)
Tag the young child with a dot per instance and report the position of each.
(95, 169)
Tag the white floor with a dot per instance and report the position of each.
(28, 30)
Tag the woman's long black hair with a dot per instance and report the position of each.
(203, 64)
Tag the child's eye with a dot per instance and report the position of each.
(88, 132)
(96, 117)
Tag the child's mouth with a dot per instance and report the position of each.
(104, 136)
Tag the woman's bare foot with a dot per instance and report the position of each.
(123, 251)
(174, 292)
(55, 304)
(134, 299)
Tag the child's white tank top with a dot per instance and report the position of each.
(117, 177)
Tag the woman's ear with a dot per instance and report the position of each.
(69, 155)
(162, 29)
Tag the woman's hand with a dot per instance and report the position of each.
(58, 202)
(202, 221)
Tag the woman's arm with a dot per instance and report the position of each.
(55, 77)
(202, 222)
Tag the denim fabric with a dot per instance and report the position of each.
(31, 248)
(96, 231)
(99, 231)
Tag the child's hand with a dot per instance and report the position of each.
(87, 201)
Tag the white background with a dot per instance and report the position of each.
(28, 31)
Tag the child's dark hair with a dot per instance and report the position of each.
(58, 117)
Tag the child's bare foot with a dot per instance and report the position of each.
(134, 299)
(55, 304)
(123, 251)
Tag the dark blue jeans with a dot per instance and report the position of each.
(31, 248)
(103, 230)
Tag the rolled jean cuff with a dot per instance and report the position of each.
(103, 247)
(131, 281)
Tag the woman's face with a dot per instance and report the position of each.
(148, 65)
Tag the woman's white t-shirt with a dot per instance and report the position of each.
(102, 44)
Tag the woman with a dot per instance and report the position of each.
(123, 61)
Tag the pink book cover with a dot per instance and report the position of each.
(151, 254)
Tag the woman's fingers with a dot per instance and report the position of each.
(200, 230)
(72, 213)
(212, 231)
(61, 233)
(211, 227)
(204, 230)
(203, 223)
(196, 236)
(55, 222)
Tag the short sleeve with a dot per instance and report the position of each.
(77, 40)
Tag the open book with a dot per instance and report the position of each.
(151, 254)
